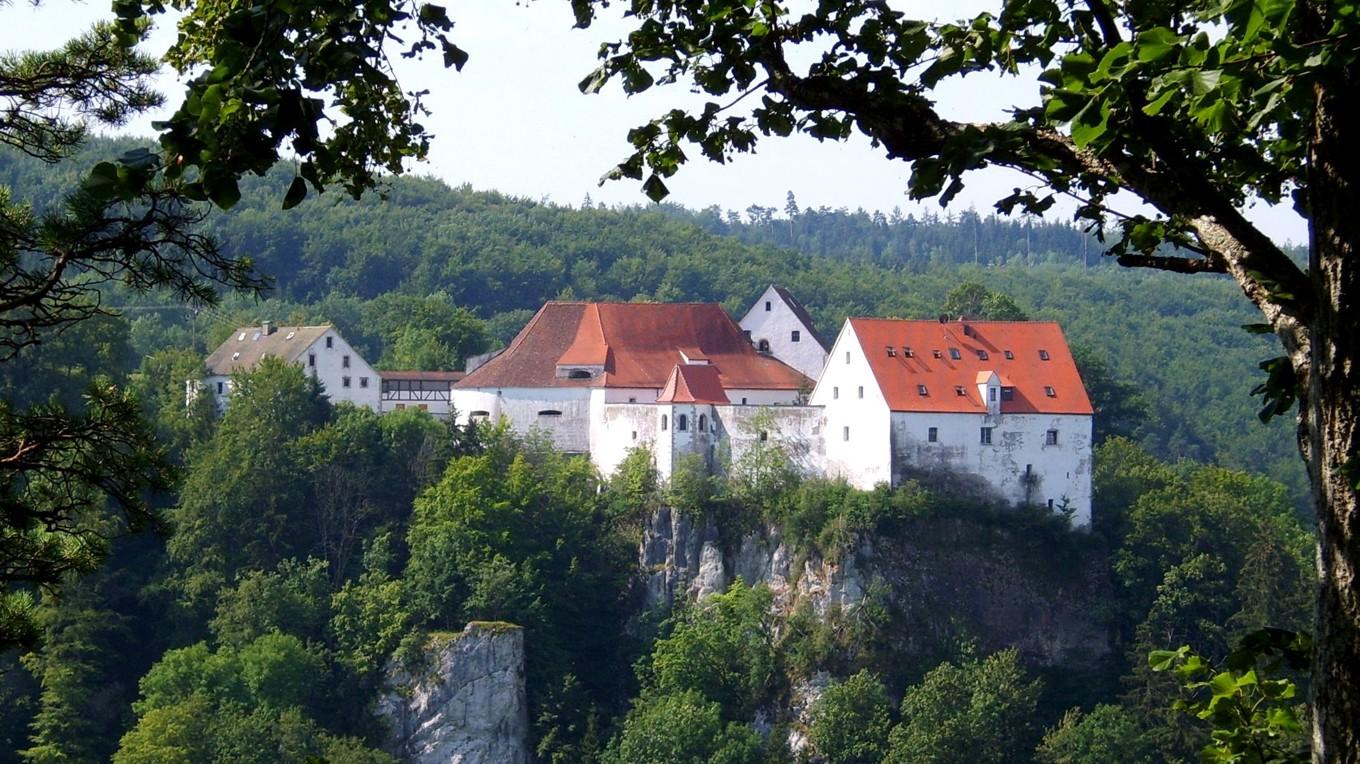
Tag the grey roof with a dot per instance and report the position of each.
(802, 314)
(247, 345)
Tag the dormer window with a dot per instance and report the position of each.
(241, 337)
(906, 351)
(1043, 355)
(954, 354)
(578, 374)
(1050, 392)
(937, 354)
(982, 355)
(235, 356)
(291, 335)
(921, 390)
(891, 352)
(1009, 355)
(958, 390)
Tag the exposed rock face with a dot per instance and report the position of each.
(464, 703)
(940, 578)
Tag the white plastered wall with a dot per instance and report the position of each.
(523, 408)
(364, 389)
(776, 326)
(864, 458)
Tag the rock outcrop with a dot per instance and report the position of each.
(462, 701)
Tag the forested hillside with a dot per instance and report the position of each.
(307, 547)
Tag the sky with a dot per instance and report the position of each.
(514, 121)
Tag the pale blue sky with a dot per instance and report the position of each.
(514, 121)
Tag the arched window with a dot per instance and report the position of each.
(578, 374)
(703, 422)
(663, 421)
(682, 423)
(763, 346)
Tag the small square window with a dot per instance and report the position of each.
(235, 356)
(1043, 355)
(363, 381)
(933, 435)
(1050, 392)
(1009, 355)
(906, 351)
(954, 354)
(986, 436)
(861, 391)
(921, 390)
(743, 401)
(891, 352)
(795, 336)
(1051, 438)
(330, 342)
(344, 381)
(982, 355)
(845, 433)
(937, 354)
(958, 390)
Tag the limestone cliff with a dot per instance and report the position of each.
(462, 701)
(941, 579)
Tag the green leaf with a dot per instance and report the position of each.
(297, 191)
(1156, 44)
(1203, 81)
(1090, 123)
(454, 56)
(655, 189)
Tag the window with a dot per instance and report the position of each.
(1051, 438)
(937, 354)
(986, 436)
(291, 335)
(255, 337)
(1050, 504)
(1008, 393)
(795, 336)
(982, 355)
(330, 342)
(241, 337)
(663, 421)
(363, 381)
(845, 433)
(906, 351)
(479, 415)
(634, 434)
(767, 306)
(311, 360)
(1009, 355)
(632, 399)
(235, 356)
(550, 412)
(933, 435)
(578, 374)
(743, 401)
(958, 390)
(764, 436)
(861, 391)
(424, 407)
(703, 422)
(891, 352)
(344, 362)
(1043, 355)
(219, 388)
(954, 354)
(835, 393)
(1050, 392)
(847, 356)
(921, 390)
(991, 394)
(401, 406)
(344, 381)
(682, 423)
(763, 346)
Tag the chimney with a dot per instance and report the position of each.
(267, 328)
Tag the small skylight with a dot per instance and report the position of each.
(1050, 392)
(958, 390)
(921, 390)
(290, 335)
(1043, 355)
(892, 353)
(235, 356)
(1010, 356)
(906, 351)
(241, 337)
(256, 337)
(982, 355)
(937, 354)
(954, 353)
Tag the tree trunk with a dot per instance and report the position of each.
(1329, 416)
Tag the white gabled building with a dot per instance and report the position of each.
(959, 401)
(779, 325)
(320, 350)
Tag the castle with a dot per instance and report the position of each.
(998, 405)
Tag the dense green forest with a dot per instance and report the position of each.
(307, 545)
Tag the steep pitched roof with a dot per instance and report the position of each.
(802, 314)
(247, 345)
(694, 383)
(932, 364)
(637, 345)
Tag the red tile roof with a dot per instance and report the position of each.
(900, 376)
(694, 383)
(637, 344)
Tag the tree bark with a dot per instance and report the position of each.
(1329, 416)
